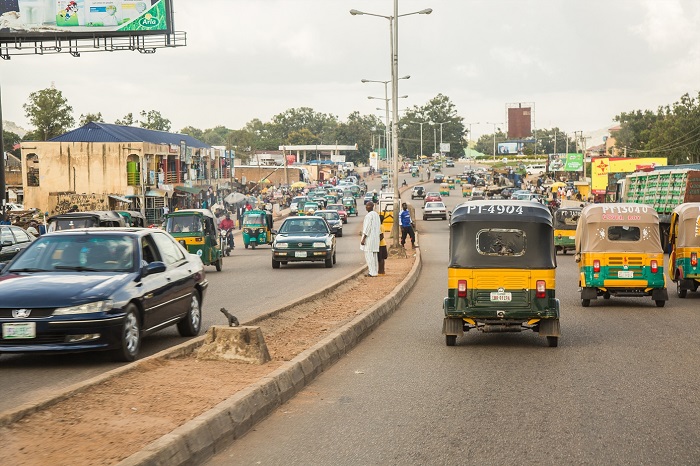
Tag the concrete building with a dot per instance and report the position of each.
(102, 166)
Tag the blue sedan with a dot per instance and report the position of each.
(99, 289)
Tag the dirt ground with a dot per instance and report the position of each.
(113, 420)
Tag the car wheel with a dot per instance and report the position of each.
(334, 258)
(450, 340)
(130, 338)
(660, 303)
(553, 342)
(219, 264)
(190, 325)
(340, 234)
(275, 264)
(329, 262)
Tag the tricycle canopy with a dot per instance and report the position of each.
(685, 225)
(618, 227)
(501, 234)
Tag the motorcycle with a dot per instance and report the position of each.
(226, 241)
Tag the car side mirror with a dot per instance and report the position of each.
(274, 232)
(153, 267)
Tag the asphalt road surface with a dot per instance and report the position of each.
(621, 388)
(247, 286)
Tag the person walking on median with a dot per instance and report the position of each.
(407, 226)
(371, 232)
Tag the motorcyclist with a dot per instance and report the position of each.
(228, 226)
(404, 183)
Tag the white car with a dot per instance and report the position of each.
(13, 206)
(434, 210)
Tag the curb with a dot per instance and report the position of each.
(210, 432)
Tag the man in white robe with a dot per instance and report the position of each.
(371, 229)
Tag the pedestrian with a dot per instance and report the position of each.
(371, 236)
(5, 220)
(383, 253)
(407, 226)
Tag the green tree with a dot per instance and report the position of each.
(154, 120)
(358, 130)
(88, 117)
(323, 125)
(194, 132)
(485, 143)
(439, 109)
(215, 136)
(49, 112)
(302, 137)
(128, 120)
(9, 139)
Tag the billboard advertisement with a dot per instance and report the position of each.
(566, 162)
(519, 122)
(606, 169)
(374, 160)
(82, 18)
(510, 148)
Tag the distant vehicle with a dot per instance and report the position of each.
(92, 219)
(439, 178)
(449, 164)
(537, 170)
(418, 192)
(434, 210)
(333, 219)
(303, 239)
(433, 196)
(13, 240)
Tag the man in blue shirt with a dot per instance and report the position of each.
(407, 226)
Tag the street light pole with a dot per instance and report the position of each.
(470, 137)
(394, 38)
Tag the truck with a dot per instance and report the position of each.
(663, 188)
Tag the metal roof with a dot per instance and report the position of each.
(105, 132)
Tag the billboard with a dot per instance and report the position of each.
(519, 122)
(37, 19)
(510, 148)
(374, 160)
(566, 162)
(605, 170)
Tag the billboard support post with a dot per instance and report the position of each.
(3, 187)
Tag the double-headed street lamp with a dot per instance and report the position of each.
(470, 136)
(394, 50)
(436, 123)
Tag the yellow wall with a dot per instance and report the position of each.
(602, 166)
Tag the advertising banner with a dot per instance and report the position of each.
(566, 162)
(36, 18)
(444, 147)
(603, 168)
(513, 148)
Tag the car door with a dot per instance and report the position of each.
(157, 289)
(180, 272)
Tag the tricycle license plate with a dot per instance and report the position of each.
(18, 330)
(625, 274)
(300, 254)
(502, 297)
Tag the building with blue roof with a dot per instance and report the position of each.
(102, 166)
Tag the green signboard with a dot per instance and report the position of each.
(566, 162)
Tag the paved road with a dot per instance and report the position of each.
(622, 388)
(247, 286)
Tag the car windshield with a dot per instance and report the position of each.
(300, 225)
(434, 205)
(329, 215)
(254, 219)
(433, 194)
(183, 223)
(113, 253)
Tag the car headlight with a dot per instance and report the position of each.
(87, 308)
(318, 244)
(281, 245)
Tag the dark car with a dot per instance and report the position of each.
(333, 219)
(12, 240)
(340, 208)
(99, 289)
(302, 239)
(439, 178)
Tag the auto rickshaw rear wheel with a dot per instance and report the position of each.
(553, 342)
(606, 295)
(450, 340)
(585, 302)
(680, 291)
(660, 303)
(246, 246)
(219, 264)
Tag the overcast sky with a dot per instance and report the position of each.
(580, 62)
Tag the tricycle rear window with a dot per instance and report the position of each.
(501, 242)
(623, 233)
